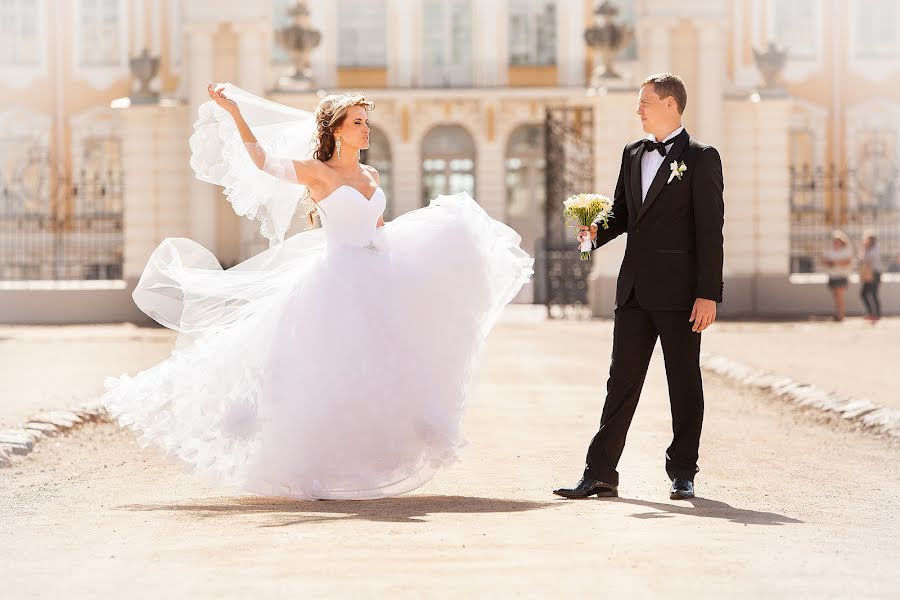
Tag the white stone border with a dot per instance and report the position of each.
(46, 424)
(857, 410)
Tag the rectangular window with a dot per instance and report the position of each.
(876, 29)
(19, 36)
(100, 33)
(362, 33)
(447, 43)
(796, 27)
(532, 32)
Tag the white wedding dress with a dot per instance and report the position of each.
(335, 364)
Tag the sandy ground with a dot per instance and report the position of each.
(49, 368)
(790, 507)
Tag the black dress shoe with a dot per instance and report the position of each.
(682, 489)
(588, 487)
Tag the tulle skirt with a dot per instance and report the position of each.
(313, 371)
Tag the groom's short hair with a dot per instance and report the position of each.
(669, 84)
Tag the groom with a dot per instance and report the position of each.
(669, 201)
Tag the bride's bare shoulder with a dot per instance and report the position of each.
(311, 171)
(373, 172)
(313, 164)
(318, 177)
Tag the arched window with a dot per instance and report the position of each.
(448, 162)
(526, 193)
(379, 156)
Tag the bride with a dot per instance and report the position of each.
(336, 363)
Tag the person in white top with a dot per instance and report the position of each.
(839, 261)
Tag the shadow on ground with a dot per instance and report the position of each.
(706, 508)
(406, 509)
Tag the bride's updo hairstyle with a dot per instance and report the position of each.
(330, 114)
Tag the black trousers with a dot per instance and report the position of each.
(634, 337)
(869, 294)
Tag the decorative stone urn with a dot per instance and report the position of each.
(298, 39)
(606, 39)
(770, 64)
(144, 68)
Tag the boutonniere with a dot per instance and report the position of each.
(677, 171)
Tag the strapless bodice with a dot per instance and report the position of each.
(349, 218)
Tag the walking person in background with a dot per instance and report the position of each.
(870, 276)
(839, 260)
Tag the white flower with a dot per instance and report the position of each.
(677, 170)
(585, 201)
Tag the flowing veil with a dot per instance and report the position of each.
(218, 156)
(183, 286)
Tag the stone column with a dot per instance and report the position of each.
(490, 167)
(154, 156)
(407, 172)
(773, 212)
(323, 16)
(199, 72)
(252, 62)
(490, 47)
(755, 158)
(712, 51)
(490, 186)
(615, 124)
(570, 47)
(253, 55)
(401, 32)
(656, 45)
(406, 163)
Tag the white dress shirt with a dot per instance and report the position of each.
(651, 161)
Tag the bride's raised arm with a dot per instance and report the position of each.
(258, 151)
(303, 172)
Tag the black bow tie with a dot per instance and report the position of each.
(650, 146)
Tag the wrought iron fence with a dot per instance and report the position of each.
(569, 150)
(55, 227)
(852, 200)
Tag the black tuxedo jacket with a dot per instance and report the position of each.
(674, 251)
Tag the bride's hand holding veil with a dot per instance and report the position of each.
(218, 96)
(303, 172)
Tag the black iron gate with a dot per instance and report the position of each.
(569, 147)
(61, 228)
(856, 201)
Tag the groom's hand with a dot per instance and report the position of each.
(584, 230)
(703, 315)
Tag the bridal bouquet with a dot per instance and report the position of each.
(587, 209)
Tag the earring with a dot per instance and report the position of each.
(338, 147)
